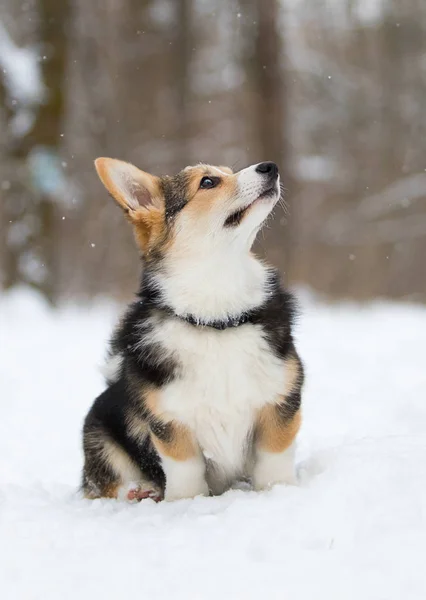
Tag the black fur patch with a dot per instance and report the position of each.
(148, 362)
(108, 417)
(276, 317)
(290, 406)
(175, 190)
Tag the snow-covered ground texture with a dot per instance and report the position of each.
(354, 527)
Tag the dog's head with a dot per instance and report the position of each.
(200, 208)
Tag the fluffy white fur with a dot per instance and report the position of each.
(226, 378)
(195, 286)
(274, 467)
(185, 479)
(211, 273)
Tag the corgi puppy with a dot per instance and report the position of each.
(205, 382)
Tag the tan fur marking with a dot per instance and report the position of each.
(181, 445)
(151, 398)
(204, 210)
(149, 227)
(219, 195)
(274, 434)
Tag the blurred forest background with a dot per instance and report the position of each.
(333, 91)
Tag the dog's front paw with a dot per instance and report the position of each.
(177, 492)
(185, 478)
(262, 481)
(272, 468)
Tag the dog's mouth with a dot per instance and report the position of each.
(236, 217)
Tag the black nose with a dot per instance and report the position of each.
(268, 168)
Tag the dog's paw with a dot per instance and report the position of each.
(137, 491)
(190, 491)
(138, 494)
(274, 468)
(261, 482)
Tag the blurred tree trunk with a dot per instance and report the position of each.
(46, 133)
(9, 264)
(271, 114)
(35, 164)
(269, 81)
(391, 75)
(182, 71)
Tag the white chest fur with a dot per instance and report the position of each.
(225, 377)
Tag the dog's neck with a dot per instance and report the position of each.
(213, 287)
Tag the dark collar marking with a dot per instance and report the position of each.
(219, 324)
(150, 297)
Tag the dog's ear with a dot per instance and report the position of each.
(226, 170)
(139, 195)
(128, 185)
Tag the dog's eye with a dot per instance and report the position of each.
(207, 183)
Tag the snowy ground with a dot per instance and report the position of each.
(355, 527)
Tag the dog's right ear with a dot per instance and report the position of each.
(128, 185)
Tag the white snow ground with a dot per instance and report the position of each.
(355, 527)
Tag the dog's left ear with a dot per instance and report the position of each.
(139, 195)
(128, 185)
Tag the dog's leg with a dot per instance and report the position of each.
(182, 462)
(109, 472)
(274, 448)
(275, 431)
